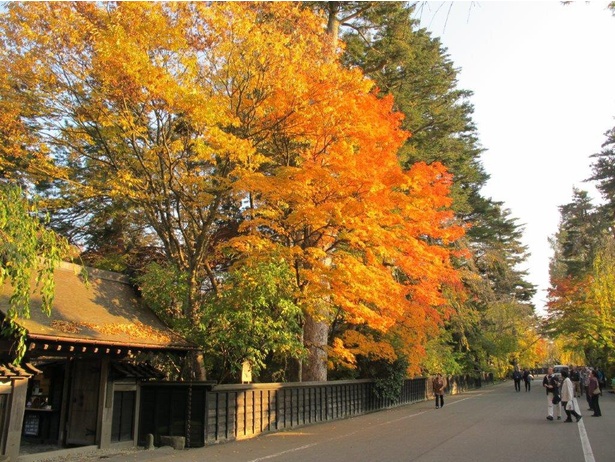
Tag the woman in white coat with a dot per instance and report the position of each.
(567, 395)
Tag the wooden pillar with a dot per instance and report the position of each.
(65, 404)
(105, 406)
(5, 397)
(17, 408)
(137, 416)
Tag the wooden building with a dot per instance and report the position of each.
(78, 384)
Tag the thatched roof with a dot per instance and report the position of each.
(102, 309)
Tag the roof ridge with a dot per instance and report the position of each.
(94, 272)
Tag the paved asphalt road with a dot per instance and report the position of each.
(491, 424)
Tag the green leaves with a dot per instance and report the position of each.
(253, 319)
(28, 251)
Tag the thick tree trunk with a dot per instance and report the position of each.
(333, 24)
(315, 334)
(194, 369)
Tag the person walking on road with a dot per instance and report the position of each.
(438, 390)
(584, 373)
(517, 379)
(551, 384)
(575, 378)
(527, 379)
(568, 401)
(587, 375)
(593, 390)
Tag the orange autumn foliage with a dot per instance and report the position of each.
(567, 297)
(366, 238)
(187, 110)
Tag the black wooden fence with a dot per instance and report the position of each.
(242, 411)
(210, 414)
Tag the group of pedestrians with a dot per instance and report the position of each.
(526, 376)
(561, 393)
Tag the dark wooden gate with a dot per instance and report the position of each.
(123, 415)
(83, 406)
(173, 409)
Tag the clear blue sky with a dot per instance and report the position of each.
(543, 77)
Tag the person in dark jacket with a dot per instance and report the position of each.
(517, 378)
(593, 390)
(551, 384)
(575, 378)
(527, 379)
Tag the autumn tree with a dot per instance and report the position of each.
(357, 226)
(234, 120)
(407, 62)
(404, 60)
(600, 322)
(364, 238)
(162, 107)
(581, 308)
(581, 290)
(496, 322)
(22, 158)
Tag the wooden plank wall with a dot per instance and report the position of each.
(237, 412)
(209, 414)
